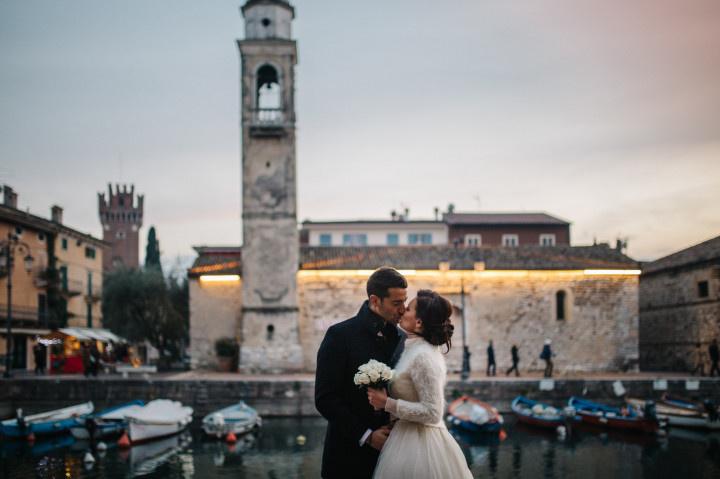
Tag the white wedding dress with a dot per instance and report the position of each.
(419, 445)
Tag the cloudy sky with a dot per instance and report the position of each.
(605, 113)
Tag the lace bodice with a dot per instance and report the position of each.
(418, 388)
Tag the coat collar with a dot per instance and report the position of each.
(375, 324)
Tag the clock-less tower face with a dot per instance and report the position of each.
(269, 325)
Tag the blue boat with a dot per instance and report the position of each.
(108, 422)
(45, 423)
(626, 417)
(538, 414)
(474, 415)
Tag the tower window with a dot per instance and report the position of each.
(560, 298)
(268, 88)
(270, 330)
(703, 289)
(266, 22)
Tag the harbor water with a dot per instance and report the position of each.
(292, 448)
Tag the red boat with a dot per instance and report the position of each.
(626, 418)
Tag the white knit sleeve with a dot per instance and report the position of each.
(428, 376)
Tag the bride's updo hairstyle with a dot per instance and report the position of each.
(434, 311)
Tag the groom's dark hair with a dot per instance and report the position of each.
(383, 279)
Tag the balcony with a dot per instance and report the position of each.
(22, 317)
(267, 122)
(94, 296)
(71, 287)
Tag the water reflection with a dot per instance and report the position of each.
(278, 452)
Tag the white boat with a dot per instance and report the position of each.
(159, 418)
(238, 418)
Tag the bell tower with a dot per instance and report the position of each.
(269, 337)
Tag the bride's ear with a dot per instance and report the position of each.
(418, 325)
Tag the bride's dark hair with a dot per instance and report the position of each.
(435, 312)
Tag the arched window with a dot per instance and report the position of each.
(268, 88)
(560, 310)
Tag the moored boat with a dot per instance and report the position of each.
(159, 418)
(535, 413)
(626, 418)
(106, 423)
(474, 415)
(238, 418)
(682, 416)
(45, 423)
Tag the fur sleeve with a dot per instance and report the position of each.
(428, 376)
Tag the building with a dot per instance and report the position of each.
(374, 233)
(583, 298)
(63, 286)
(121, 218)
(680, 307)
(506, 229)
(461, 229)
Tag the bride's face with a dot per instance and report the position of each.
(409, 321)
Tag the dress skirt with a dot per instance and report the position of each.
(418, 451)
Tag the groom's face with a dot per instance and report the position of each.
(392, 307)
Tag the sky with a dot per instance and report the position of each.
(605, 113)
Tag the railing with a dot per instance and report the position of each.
(267, 118)
(22, 316)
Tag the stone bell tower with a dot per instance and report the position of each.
(269, 339)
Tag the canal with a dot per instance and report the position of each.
(292, 448)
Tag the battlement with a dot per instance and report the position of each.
(120, 206)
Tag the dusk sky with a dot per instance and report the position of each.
(605, 113)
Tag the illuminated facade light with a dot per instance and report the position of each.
(220, 278)
(612, 272)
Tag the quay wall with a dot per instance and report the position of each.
(294, 396)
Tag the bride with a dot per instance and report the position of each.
(419, 445)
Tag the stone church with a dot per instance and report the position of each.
(277, 298)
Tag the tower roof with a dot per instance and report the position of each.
(279, 3)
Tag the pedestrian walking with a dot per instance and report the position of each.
(699, 361)
(39, 355)
(546, 355)
(714, 354)
(491, 360)
(515, 360)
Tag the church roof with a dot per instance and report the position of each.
(228, 260)
(280, 3)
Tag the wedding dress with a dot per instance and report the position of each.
(419, 445)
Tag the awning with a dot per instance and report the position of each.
(88, 334)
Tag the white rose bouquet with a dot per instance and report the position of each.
(373, 374)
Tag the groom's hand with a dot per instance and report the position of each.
(378, 437)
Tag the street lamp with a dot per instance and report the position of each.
(6, 263)
(465, 373)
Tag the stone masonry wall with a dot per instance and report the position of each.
(674, 319)
(215, 309)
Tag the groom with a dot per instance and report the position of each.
(355, 432)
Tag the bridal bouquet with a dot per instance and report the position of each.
(373, 374)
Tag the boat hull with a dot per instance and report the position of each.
(48, 423)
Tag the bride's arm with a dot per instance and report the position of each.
(429, 379)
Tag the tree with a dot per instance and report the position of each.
(152, 251)
(137, 304)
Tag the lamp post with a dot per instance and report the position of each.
(465, 373)
(6, 263)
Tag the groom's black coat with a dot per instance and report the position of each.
(346, 346)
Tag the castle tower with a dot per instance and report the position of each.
(121, 220)
(268, 333)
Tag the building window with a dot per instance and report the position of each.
(357, 239)
(393, 239)
(41, 236)
(703, 289)
(560, 298)
(510, 240)
(547, 240)
(63, 278)
(64, 243)
(18, 230)
(473, 240)
(325, 239)
(419, 238)
(89, 252)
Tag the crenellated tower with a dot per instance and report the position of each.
(269, 336)
(121, 218)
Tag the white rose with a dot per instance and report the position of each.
(374, 375)
(387, 374)
(364, 379)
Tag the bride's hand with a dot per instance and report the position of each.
(377, 398)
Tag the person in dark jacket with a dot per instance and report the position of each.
(491, 368)
(515, 361)
(714, 354)
(547, 355)
(356, 433)
(39, 355)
